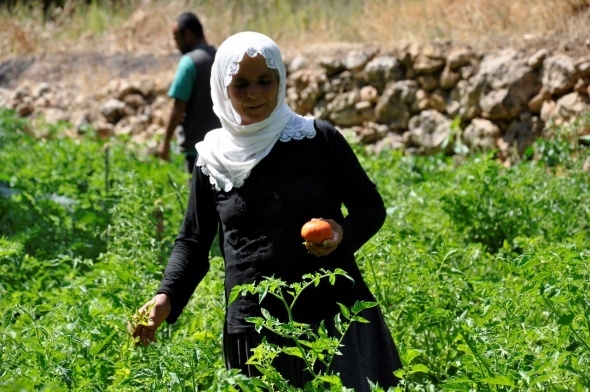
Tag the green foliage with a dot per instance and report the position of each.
(562, 146)
(493, 205)
(313, 347)
(481, 271)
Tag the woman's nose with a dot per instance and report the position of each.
(253, 91)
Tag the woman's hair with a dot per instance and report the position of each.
(189, 21)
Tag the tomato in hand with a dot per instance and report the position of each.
(316, 231)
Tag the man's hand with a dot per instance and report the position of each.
(163, 151)
(174, 120)
(148, 318)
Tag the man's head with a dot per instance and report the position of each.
(188, 32)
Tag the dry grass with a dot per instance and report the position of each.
(140, 26)
(143, 26)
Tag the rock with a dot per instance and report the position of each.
(570, 107)
(536, 103)
(332, 66)
(449, 78)
(426, 65)
(55, 115)
(581, 86)
(481, 135)
(40, 90)
(81, 119)
(519, 135)
(558, 74)
(369, 94)
(298, 63)
(393, 107)
(463, 101)
(459, 57)
(127, 87)
(356, 60)
(430, 132)
(382, 70)
(103, 129)
(347, 110)
(25, 108)
(4, 97)
(536, 60)
(430, 59)
(113, 110)
(547, 110)
(370, 132)
(438, 100)
(500, 105)
(134, 100)
(583, 67)
(20, 93)
(427, 82)
(505, 85)
(421, 101)
(391, 141)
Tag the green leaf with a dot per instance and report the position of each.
(566, 319)
(234, 294)
(344, 310)
(360, 319)
(418, 368)
(99, 348)
(498, 380)
(293, 351)
(359, 306)
(411, 354)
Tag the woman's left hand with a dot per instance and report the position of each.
(329, 245)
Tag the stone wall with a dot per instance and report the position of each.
(439, 97)
(423, 99)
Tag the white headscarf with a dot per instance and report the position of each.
(228, 154)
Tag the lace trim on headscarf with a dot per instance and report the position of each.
(298, 128)
(225, 184)
(234, 68)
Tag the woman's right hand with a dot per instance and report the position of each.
(150, 316)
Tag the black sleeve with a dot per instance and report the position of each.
(366, 211)
(189, 261)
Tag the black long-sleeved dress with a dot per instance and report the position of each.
(260, 225)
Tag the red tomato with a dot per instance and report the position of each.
(316, 231)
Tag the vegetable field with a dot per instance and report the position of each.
(483, 271)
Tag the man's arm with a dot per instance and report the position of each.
(174, 119)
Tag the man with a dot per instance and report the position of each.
(192, 108)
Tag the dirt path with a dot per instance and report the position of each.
(89, 68)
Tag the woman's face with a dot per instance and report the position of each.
(253, 91)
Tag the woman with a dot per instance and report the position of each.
(259, 178)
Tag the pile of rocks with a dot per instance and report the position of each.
(439, 97)
(135, 108)
(424, 99)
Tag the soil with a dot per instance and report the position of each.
(62, 67)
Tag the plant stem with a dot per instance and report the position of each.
(295, 338)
